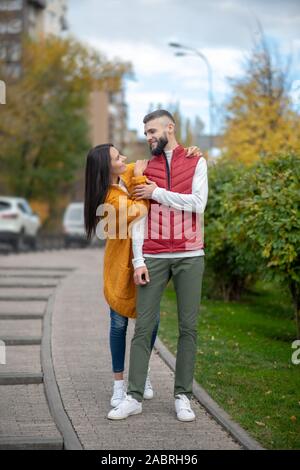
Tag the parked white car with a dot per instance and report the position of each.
(73, 225)
(18, 223)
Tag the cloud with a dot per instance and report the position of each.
(140, 30)
(218, 23)
(147, 59)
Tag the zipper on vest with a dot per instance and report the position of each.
(172, 215)
(168, 171)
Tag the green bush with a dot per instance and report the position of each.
(229, 268)
(263, 209)
(253, 227)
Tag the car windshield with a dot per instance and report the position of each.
(27, 206)
(75, 214)
(4, 205)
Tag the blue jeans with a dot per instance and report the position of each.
(117, 339)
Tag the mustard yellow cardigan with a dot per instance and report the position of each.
(119, 288)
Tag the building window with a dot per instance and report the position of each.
(15, 26)
(11, 27)
(14, 52)
(14, 70)
(11, 5)
(2, 52)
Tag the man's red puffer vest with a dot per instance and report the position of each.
(168, 229)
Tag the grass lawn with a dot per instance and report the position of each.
(244, 361)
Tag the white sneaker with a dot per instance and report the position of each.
(119, 393)
(129, 406)
(148, 391)
(183, 408)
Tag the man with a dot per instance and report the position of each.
(173, 248)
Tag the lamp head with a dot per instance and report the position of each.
(174, 44)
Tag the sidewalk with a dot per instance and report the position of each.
(81, 358)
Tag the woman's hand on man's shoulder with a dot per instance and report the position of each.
(139, 167)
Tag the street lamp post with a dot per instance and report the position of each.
(185, 51)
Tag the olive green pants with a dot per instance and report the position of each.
(187, 276)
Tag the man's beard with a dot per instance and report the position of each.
(161, 143)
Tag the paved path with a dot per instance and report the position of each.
(81, 358)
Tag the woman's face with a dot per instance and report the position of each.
(118, 166)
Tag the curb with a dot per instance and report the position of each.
(27, 298)
(27, 286)
(20, 378)
(61, 419)
(33, 443)
(234, 429)
(21, 341)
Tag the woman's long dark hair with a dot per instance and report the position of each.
(97, 181)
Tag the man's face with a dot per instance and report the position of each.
(156, 132)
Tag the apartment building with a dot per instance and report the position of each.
(108, 117)
(33, 17)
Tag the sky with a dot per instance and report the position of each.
(224, 31)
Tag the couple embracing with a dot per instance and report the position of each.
(153, 213)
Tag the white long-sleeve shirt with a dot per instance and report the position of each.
(195, 202)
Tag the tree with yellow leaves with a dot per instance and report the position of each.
(44, 132)
(260, 120)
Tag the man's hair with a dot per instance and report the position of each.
(157, 114)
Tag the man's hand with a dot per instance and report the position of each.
(141, 276)
(144, 191)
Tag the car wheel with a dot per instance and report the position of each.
(18, 243)
(33, 243)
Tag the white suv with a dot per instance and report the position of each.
(18, 224)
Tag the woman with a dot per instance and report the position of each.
(109, 181)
